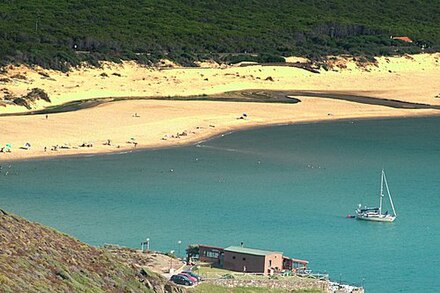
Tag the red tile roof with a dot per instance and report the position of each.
(404, 39)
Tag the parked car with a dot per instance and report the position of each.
(191, 278)
(181, 280)
(192, 274)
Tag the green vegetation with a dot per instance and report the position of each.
(56, 33)
(210, 272)
(248, 283)
(206, 287)
(29, 99)
(34, 258)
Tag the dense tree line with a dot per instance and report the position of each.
(59, 33)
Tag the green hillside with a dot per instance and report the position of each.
(34, 258)
(55, 32)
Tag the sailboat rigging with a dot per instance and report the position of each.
(376, 213)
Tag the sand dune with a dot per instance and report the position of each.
(166, 123)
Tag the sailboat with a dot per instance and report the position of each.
(375, 213)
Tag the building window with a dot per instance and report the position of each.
(212, 254)
(244, 258)
(233, 257)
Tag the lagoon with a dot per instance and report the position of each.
(286, 188)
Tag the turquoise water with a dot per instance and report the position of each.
(284, 188)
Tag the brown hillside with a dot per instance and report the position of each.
(34, 258)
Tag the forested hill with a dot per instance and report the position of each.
(53, 32)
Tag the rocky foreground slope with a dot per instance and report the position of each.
(34, 258)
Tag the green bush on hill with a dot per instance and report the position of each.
(59, 33)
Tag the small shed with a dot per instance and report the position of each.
(242, 259)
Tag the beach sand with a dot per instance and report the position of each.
(163, 123)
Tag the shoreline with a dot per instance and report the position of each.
(151, 109)
(209, 137)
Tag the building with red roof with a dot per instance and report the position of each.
(403, 39)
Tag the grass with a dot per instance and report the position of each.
(205, 287)
(206, 269)
(208, 272)
(219, 289)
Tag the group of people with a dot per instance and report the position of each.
(5, 150)
(8, 147)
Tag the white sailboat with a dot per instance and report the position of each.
(375, 213)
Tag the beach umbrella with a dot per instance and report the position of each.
(8, 145)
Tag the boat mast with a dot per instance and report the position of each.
(381, 193)
(389, 195)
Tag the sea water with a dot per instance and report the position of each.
(285, 188)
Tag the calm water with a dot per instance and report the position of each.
(284, 188)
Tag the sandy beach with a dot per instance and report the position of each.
(133, 124)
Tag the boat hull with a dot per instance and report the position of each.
(376, 218)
